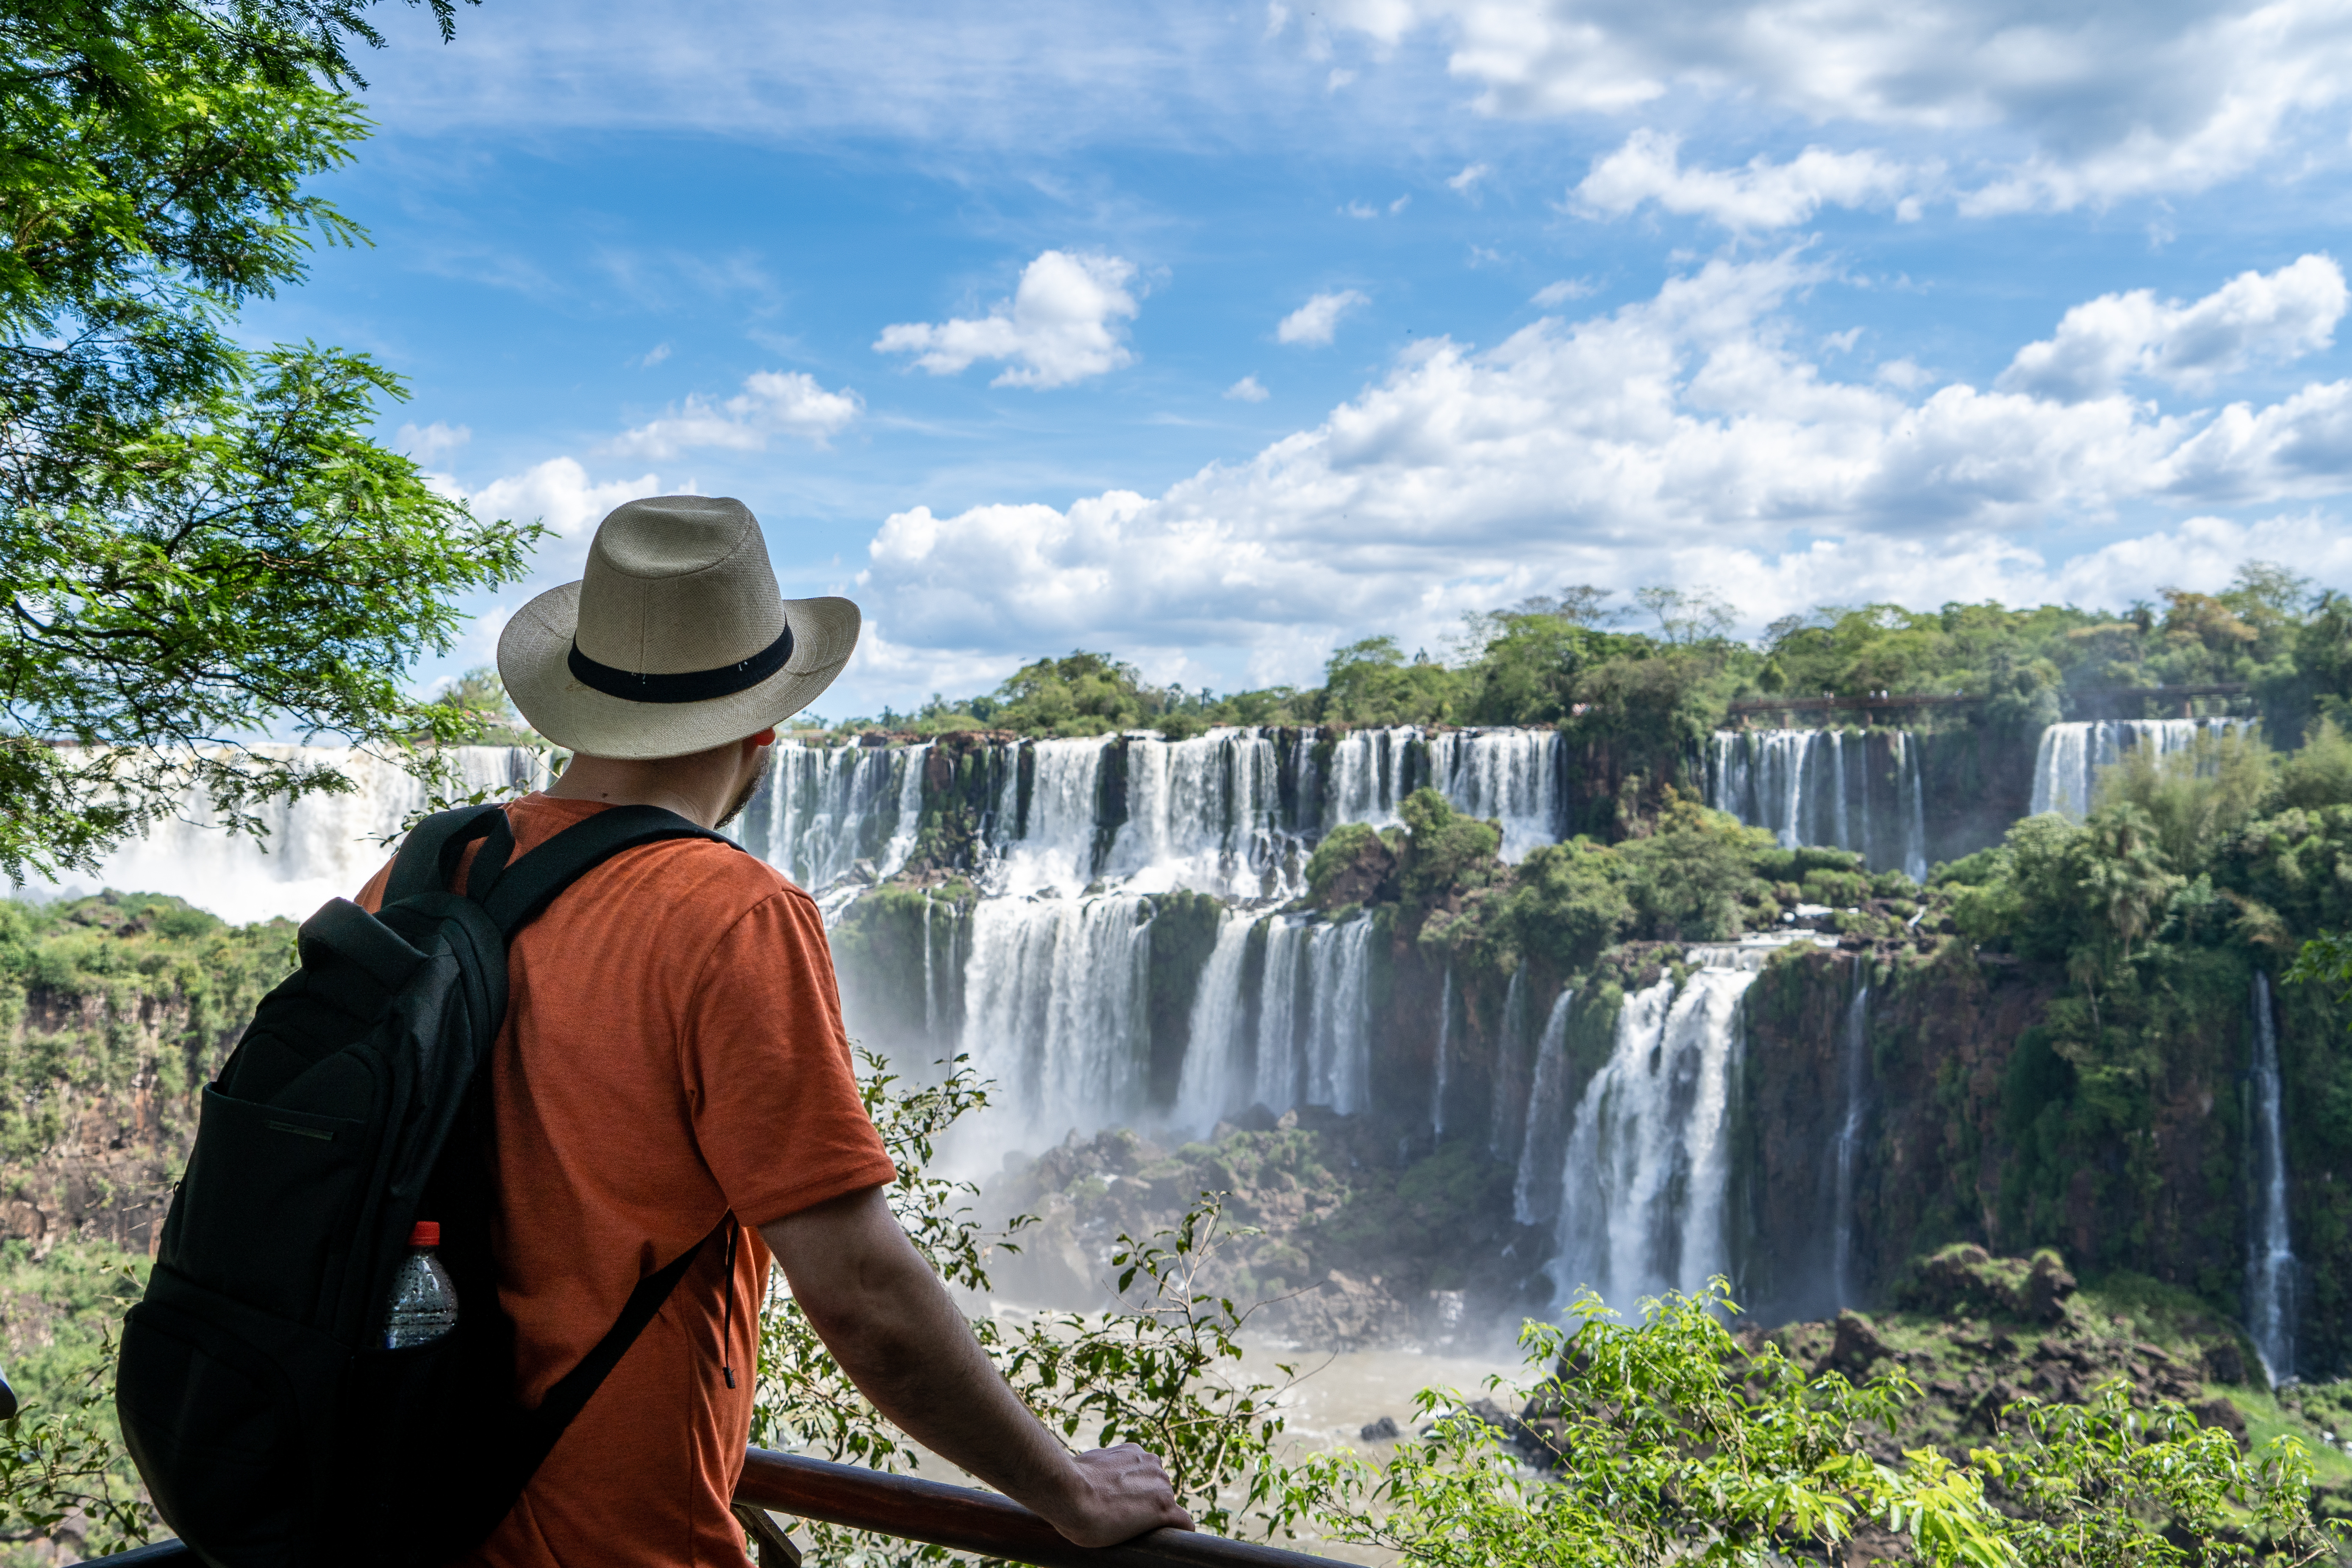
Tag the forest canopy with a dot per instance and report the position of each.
(1666, 665)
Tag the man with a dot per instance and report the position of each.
(673, 1054)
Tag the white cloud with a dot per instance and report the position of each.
(1359, 210)
(1247, 390)
(1399, 204)
(2255, 316)
(560, 494)
(2109, 102)
(772, 403)
(1059, 327)
(1762, 195)
(1904, 374)
(1561, 292)
(1316, 321)
(1678, 439)
(1469, 177)
(425, 444)
(654, 356)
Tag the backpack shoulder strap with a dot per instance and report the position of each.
(515, 894)
(429, 855)
(573, 1389)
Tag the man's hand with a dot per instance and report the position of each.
(1121, 1493)
(896, 1331)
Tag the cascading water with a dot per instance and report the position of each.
(1643, 1183)
(822, 810)
(1338, 1046)
(1052, 844)
(1535, 1193)
(1205, 813)
(1215, 1081)
(319, 847)
(1311, 1043)
(1371, 773)
(1444, 1054)
(2068, 757)
(1276, 1081)
(1860, 792)
(1853, 1073)
(1513, 776)
(1504, 1124)
(2272, 1272)
(1053, 997)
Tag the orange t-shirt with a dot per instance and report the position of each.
(672, 1050)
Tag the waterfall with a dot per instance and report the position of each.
(1275, 1085)
(1535, 1193)
(2068, 757)
(1643, 1183)
(1215, 1081)
(1370, 775)
(930, 981)
(321, 847)
(1339, 1022)
(2271, 1272)
(823, 809)
(1313, 1045)
(1055, 991)
(1509, 775)
(1503, 1120)
(1444, 1051)
(1206, 814)
(1052, 846)
(1826, 787)
(1852, 1066)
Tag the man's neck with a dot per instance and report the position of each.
(696, 787)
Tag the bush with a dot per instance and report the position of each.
(1670, 1442)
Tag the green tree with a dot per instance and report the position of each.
(1370, 682)
(1668, 1442)
(199, 541)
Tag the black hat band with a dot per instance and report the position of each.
(687, 686)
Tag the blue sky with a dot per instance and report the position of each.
(1215, 336)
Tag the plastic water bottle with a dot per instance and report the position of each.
(423, 1301)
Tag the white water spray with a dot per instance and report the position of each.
(2272, 1272)
(1535, 1192)
(1444, 1054)
(1215, 1081)
(2068, 757)
(1826, 787)
(1643, 1183)
(1852, 1069)
(319, 847)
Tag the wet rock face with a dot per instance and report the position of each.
(1856, 1350)
(1967, 1281)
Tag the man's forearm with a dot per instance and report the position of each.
(911, 1352)
(897, 1332)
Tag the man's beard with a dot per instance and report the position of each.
(758, 777)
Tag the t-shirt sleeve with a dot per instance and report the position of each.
(371, 896)
(768, 1069)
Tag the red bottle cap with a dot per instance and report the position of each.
(425, 1233)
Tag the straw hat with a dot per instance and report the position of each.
(675, 640)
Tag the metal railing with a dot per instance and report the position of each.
(933, 1512)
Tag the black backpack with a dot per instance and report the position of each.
(271, 1427)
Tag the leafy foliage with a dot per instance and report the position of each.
(199, 541)
(1668, 1441)
(1160, 1374)
(62, 1467)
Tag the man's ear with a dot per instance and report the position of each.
(766, 737)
